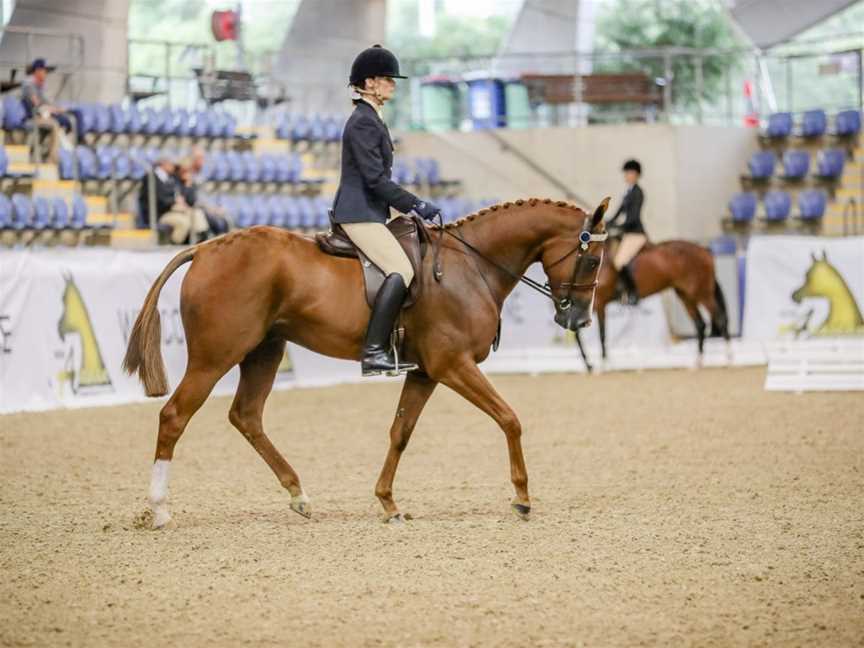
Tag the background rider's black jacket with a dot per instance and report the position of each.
(365, 189)
(631, 208)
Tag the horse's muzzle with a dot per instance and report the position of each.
(577, 315)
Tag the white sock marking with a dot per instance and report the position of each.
(159, 492)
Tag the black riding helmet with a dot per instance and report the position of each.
(374, 61)
(632, 165)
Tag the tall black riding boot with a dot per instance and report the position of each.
(377, 354)
(630, 294)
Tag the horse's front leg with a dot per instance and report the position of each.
(468, 381)
(415, 392)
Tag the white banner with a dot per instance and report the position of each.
(66, 314)
(804, 286)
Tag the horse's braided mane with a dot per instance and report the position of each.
(508, 205)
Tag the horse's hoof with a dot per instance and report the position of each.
(150, 521)
(301, 504)
(523, 511)
(396, 519)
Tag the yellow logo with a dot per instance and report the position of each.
(87, 372)
(824, 281)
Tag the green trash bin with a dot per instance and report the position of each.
(440, 103)
(519, 114)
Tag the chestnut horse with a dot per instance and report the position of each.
(685, 267)
(248, 292)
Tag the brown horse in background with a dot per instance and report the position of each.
(248, 292)
(685, 267)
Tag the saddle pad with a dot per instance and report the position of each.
(412, 236)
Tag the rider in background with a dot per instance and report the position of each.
(366, 193)
(633, 233)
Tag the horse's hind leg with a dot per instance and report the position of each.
(415, 392)
(184, 402)
(698, 322)
(257, 372)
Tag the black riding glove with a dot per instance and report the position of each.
(426, 210)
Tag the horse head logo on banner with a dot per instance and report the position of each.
(824, 281)
(86, 372)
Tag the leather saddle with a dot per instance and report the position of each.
(412, 236)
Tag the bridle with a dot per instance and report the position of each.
(586, 237)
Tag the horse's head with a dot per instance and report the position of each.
(572, 261)
(819, 280)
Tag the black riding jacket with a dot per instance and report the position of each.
(366, 191)
(631, 209)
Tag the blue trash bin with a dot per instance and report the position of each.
(486, 102)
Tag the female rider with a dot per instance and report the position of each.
(365, 195)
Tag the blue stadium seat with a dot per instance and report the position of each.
(811, 204)
(814, 123)
(300, 129)
(237, 169)
(182, 122)
(4, 161)
(292, 210)
(847, 123)
(152, 121)
(14, 113)
(261, 210)
(22, 211)
(61, 213)
(79, 213)
(777, 206)
(402, 172)
(88, 167)
(743, 207)
(251, 166)
(829, 164)
(307, 212)
(42, 216)
(795, 164)
(199, 124)
(5, 212)
(66, 164)
(333, 129)
(221, 169)
(122, 165)
(316, 129)
(266, 168)
(134, 121)
(245, 212)
(762, 165)
(433, 171)
(228, 125)
(101, 119)
(105, 162)
(138, 164)
(779, 125)
(277, 211)
(322, 216)
(119, 121)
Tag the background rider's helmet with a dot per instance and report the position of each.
(374, 61)
(632, 165)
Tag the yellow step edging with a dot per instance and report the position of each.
(133, 238)
(121, 220)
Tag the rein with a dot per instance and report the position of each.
(585, 237)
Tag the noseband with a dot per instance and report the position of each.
(586, 237)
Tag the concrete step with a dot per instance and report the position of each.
(96, 204)
(22, 168)
(843, 193)
(47, 172)
(271, 145)
(121, 221)
(51, 188)
(18, 153)
(133, 238)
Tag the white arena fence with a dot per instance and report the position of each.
(66, 314)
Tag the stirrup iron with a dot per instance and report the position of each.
(394, 347)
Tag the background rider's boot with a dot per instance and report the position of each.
(377, 354)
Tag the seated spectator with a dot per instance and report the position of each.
(192, 179)
(42, 111)
(170, 205)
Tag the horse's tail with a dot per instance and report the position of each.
(144, 353)
(719, 319)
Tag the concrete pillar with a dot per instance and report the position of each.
(102, 26)
(323, 40)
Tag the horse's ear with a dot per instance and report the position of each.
(598, 213)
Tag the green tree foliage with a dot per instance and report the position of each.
(650, 24)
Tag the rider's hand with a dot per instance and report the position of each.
(426, 210)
